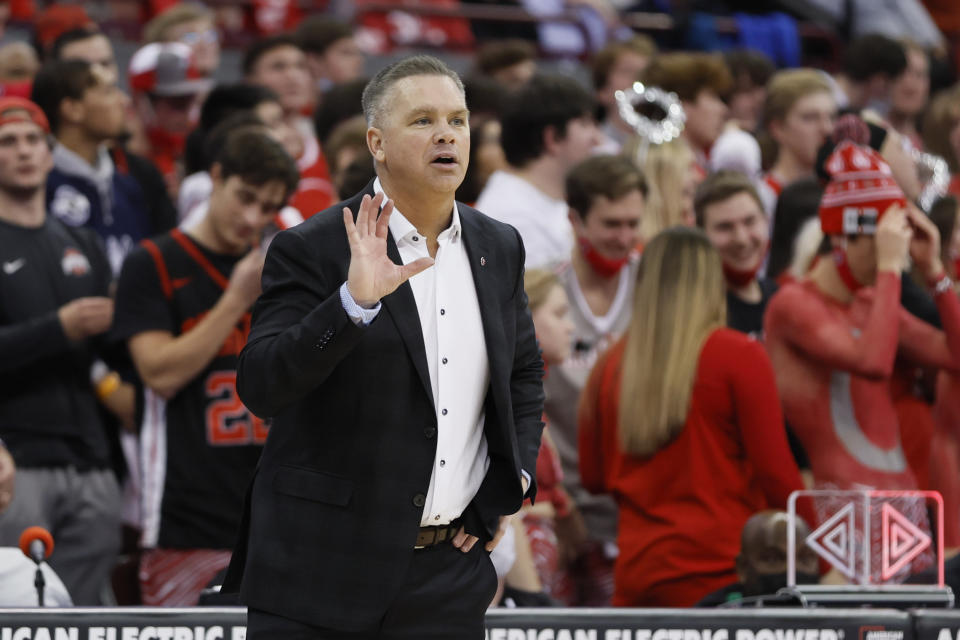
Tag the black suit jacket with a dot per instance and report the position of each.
(335, 506)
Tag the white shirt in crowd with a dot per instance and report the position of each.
(194, 191)
(541, 220)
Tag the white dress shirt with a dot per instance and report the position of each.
(542, 221)
(456, 351)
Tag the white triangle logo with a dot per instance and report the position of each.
(834, 542)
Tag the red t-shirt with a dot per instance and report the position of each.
(682, 509)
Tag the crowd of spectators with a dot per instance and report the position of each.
(756, 306)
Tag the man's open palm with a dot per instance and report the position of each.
(372, 273)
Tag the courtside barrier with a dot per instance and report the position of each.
(228, 623)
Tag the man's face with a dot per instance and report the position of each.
(612, 227)
(808, 124)
(103, 108)
(624, 72)
(18, 62)
(705, 119)
(424, 137)
(284, 69)
(517, 75)
(489, 155)
(25, 158)
(96, 50)
(341, 62)
(578, 141)
(174, 114)
(271, 113)
(910, 90)
(201, 36)
(239, 211)
(737, 228)
(861, 253)
(746, 104)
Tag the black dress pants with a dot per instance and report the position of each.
(444, 597)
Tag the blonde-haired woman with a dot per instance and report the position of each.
(681, 423)
(672, 178)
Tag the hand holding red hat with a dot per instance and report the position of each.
(925, 245)
(893, 239)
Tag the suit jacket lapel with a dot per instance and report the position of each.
(403, 309)
(480, 250)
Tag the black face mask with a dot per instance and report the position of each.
(764, 584)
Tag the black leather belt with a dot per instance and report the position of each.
(431, 536)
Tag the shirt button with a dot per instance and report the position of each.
(436, 517)
(419, 500)
(444, 412)
(429, 432)
(443, 463)
(444, 361)
(416, 238)
(443, 312)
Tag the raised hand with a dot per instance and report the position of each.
(925, 244)
(372, 273)
(245, 279)
(893, 240)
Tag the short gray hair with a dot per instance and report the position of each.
(379, 86)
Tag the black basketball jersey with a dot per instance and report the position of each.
(199, 448)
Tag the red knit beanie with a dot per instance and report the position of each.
(861, 188)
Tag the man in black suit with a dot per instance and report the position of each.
(397, 359)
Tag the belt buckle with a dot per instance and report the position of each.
(438, 534)
(426, 539)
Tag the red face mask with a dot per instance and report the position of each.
(843, 269)
(738, 278)
(605, 267)
(165, 141)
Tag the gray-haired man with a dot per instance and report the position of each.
(396, 357)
